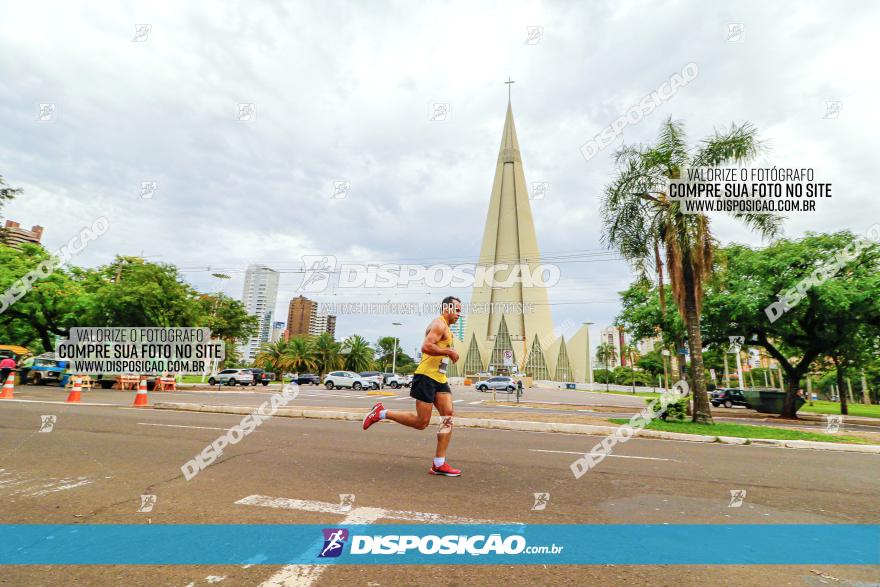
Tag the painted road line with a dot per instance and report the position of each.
(307, 575)
(181, 426)
(475, 403)
(567, 452)
(335, 508)
(457, 401)
(37, 401)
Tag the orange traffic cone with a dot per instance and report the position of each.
(75, 391)
(140, 400)
(8, 387)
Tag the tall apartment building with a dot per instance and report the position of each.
(259, 297)
(321, 324)
(303, 319)
(614, 337)
(278, 330)
(647, 345)
(14, 235)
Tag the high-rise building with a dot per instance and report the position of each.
(259, 297)
(321, 323)
(510, 248)
(299, 316)
(612, 336)
(14, 236)
(303, 319)
(278, 329)
(648, 345)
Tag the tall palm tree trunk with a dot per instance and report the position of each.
(702, 411)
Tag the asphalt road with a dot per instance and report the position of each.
(98, 460)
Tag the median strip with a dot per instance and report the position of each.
(462, 420)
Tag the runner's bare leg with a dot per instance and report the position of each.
(420, 420)
(443, 402)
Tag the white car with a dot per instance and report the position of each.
(500, 383)
(347, 379)
(396, 381)
(232, 377)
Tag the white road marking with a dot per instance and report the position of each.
(475, 403)
(401, 398)
(457, 401)
(38, 401)
(306, 575)
(568, 452)
(181, 426)
(69, 484)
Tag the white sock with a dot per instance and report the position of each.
(438, 461)
(382, 414)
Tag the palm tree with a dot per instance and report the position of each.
(630, 351)
(301, 354)
(326, 353)
(641, 221)
(605, 353)
(358, 353)
(273, 356)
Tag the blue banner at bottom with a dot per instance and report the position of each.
(230, 544)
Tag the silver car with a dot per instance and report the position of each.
(500, 383)
(232, 377)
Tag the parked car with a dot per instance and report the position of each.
(500, 383)
(376, 377)
(307, 379)
(728, 397)
(395, 381)
(347, 379)
(232, 377)
(261, 376)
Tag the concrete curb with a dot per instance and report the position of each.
(529, 426)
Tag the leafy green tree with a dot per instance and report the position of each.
(226, 317)
(133, 292)
(385, 354)
(843, 310)
(357, 353)
(641, 221)
(48, 308)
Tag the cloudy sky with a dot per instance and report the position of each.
(345, 92)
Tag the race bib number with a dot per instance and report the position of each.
(444, 364)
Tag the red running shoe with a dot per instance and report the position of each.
(373, 416)
(445, 470)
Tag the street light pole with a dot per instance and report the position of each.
(589, 357)
(394, 354)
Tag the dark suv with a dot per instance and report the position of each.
(728, 398)
(307, 379)
(261, 376)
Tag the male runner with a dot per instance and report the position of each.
(429, 386)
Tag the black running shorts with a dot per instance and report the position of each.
(425, 389)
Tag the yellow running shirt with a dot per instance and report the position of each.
(435, 366)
